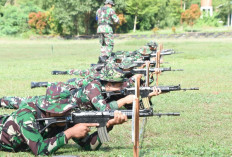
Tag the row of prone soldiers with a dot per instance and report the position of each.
(20, 130)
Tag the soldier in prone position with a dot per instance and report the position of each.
(20, 130)
(86, 94)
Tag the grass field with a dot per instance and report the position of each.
(205, 125)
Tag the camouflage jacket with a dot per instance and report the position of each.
(19, 132)
(106, 16)
(85, 93)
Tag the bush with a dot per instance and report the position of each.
(208, 21)
(38, 21)
(191, 15)
(14, 19)
(155, 30)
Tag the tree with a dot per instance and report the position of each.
(191, 15)
(138, 8)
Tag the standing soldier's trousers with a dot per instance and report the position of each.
(107, 43)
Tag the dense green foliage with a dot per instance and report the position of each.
(204, 127)
(73, 17)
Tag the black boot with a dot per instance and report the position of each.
(39, 84)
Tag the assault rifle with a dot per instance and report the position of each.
(145, 91)
(144, 71)
(165, 53)
(101, 117)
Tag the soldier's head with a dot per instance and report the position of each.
(152, 45)
(127, 64)
(112, 78)
(110, 3)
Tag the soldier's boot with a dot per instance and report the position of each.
(39, 84)
(102, 59)
(59, 72)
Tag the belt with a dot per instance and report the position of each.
(101, 24)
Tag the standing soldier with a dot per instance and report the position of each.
(105, 17)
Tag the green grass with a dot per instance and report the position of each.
(204, 127)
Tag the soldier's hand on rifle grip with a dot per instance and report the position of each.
(157, 71)
(126, 100)
(156, 91)
(142, 66)
(153, 59)
(79, 130)
(119, 118)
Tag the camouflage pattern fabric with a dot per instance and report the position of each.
(19, 132)
(107, 43)
(82, 73)
(11, 102)
(145, 50)
(135, 55)
(152, 44)
(106, 16)
(87, 97)
(127, 63)
(112, 74)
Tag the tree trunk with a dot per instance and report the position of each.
(87, 19)
(231, 19)
(228, 20)
(75, 22)
(135, 23)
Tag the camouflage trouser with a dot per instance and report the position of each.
(107, 43)
(11, 102)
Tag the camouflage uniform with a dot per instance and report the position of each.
(106, 16)
(19, 131)
(86, 94)
(11, 102)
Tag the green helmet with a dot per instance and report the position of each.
(127, 63)
(152, 44)
(109, 2)
(112, 74)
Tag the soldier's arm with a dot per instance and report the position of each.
(11, 102)
(114, 16)
(93, 92)
(78, 72)
(38, 145)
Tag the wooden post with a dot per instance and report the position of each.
(158, 61)
(147, 73)
(136, 121)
